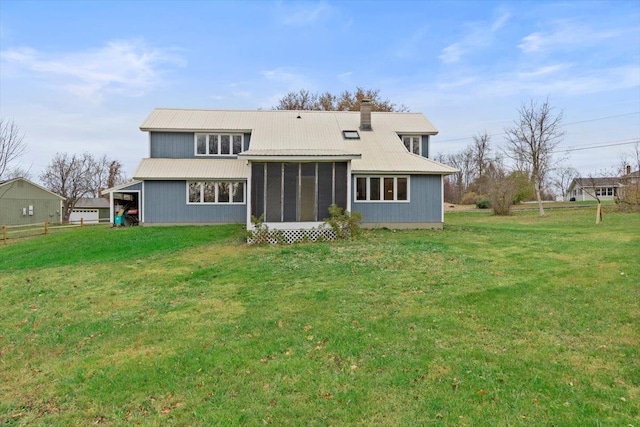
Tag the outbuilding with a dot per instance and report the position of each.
(23, 202)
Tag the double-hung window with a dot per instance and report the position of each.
(382, 189)
(214, 144)
(413, 143)
(215, 192)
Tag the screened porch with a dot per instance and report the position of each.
(297, 192)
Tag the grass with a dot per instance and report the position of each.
(492, 321)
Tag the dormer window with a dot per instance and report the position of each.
(351, 134)
(218, 144)
(413, 143)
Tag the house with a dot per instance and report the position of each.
(288, 167)
(605, 188)
(581, 189)
(23, 202)
(90, 210)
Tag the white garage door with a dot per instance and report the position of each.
(89, 216)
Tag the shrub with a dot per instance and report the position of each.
(470, 198)
(345, 224)
(628, 199)
(523, 186)
(483, 203)
(502, 194)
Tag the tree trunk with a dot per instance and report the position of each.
(538, 196)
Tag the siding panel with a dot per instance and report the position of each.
(425, 205)
(165, 202)
(172, 145)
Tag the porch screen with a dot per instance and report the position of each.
(291, 192)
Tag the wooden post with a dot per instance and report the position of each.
(4, 234)
(599, 214)
(46, 228)
(81, 222)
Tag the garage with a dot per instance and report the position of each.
(87, 216)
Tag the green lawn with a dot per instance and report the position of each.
(490, 322)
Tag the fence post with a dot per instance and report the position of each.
(46, 227)
(4, 234)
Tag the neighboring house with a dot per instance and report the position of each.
(581, 189)
(90, 210)
(23, 202)
(218, 166)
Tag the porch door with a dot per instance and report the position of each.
(307, 192)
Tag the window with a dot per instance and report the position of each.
(350, 134)
(213, 192)
(413, 143)
(219, 144)
(382, 189)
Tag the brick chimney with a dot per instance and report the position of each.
(628, 169)
(365, 114)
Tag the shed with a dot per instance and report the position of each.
(23, 202)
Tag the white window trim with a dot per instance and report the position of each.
(218, 134)
(230, 202)
(381, 177)
(412, 136)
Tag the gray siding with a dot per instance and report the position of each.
(425, 205)
(425, 145)
(165, 202)
(172, 145)
(179, 145)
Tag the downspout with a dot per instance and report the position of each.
(349, 179)
(249, 178)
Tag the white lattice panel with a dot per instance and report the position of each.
(290, 236)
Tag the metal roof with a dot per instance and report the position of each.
(290, 134)
(14, 180)
(171, 169)
(92, 203)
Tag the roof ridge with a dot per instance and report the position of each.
(281, 111)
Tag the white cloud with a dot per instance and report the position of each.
(548, 80)
(478, 35)
(301, 14)
(451, 53)
(286, 78)
(124, 67)
(565, 34)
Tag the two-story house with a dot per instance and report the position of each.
(219, 166)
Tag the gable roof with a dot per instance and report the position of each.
(14, 180)
(92, 203)
(595, 182)
(120, 187)
(308, 135)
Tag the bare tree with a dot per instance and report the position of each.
(346, 101)
(532, 139)
(116, 176)
(70, 177)
(562, 177)
(481, 162)
(104, 173)
(12, 145)
(463, 161)
(628, 197)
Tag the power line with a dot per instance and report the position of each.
(564, 124)
(568, 150)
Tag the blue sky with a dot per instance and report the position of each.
(82, 76)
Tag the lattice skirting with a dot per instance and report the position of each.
(291, 236)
